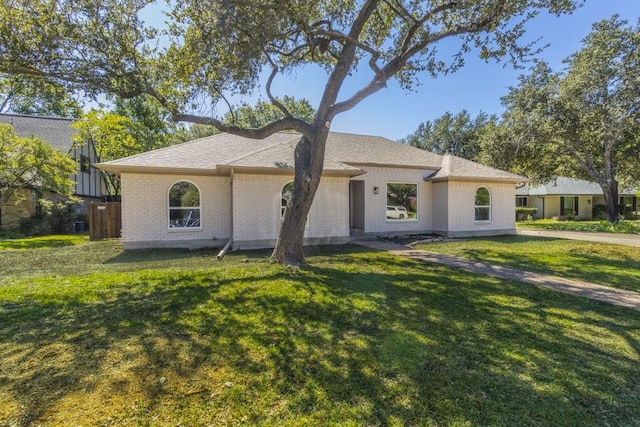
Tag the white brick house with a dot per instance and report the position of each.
(208, 191)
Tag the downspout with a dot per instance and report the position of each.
(227, 246)
(231, 206)
(224, 250)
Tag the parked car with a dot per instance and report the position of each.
(397, 212)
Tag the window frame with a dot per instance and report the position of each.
(85, 164)
(476, 206)
(387, 204)
(170, 208)
(573, 207)
(520, 199)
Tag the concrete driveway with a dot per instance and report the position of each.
(613, 238)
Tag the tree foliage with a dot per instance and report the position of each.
(112, 137)
(453, 134)
(263, 112)
(213, 49)
(32, 163)
(33, 96)
(248, 116)
(582, 122)
(148, 122)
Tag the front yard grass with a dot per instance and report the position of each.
(609, 265)
(100, 337)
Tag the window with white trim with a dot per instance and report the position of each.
(402, 201)
(483, 204)
(184, 205)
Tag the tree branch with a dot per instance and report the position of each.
(418, 24)
(274, 100)
(397, 63)
(343, 65)
(400, 11)
(287, 123)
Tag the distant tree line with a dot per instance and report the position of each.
(582, 121)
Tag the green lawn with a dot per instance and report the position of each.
(355, 338)
(610, 265)
(625, 226)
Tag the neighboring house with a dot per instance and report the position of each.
(570, 197)
(205, 192)
(59, 133)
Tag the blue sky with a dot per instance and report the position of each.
(395, 113)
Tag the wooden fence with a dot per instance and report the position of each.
(105, 220)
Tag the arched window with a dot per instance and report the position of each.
(483, 204)
(184, 205)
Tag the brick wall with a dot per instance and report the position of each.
(461, 200)
(17, 208)
(257, 209)
(257, 202)
(376, 204)
(145, 211)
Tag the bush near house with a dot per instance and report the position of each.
(622, 226)
(524, 213)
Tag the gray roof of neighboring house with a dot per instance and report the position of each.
(563, 186)
(54, 130)
(344, 153)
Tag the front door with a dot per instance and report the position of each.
(356, 205)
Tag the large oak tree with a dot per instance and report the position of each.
(214, 48)
(582, 122)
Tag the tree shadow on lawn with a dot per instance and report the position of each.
(603, 270)
(400, 343)
(148, 255)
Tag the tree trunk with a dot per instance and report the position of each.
(610, 192)
(309, 161)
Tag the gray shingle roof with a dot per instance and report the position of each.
(54, 130)
(282, 156)
(456, 167)
(563, 186)
(376, 150)
(345, 153)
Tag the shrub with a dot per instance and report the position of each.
(523, 213)
(54, 217)
(37, 225)
(599, 211)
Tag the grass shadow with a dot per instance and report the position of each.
(609, 265)
(355, 337)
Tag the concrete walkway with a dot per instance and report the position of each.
(594, 291)
(613, 238)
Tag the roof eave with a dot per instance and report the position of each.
(390, 165)
(157, 170)
(477, 179)
(287, 171)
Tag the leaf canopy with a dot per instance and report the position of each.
(210, 49)
(32, 163)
